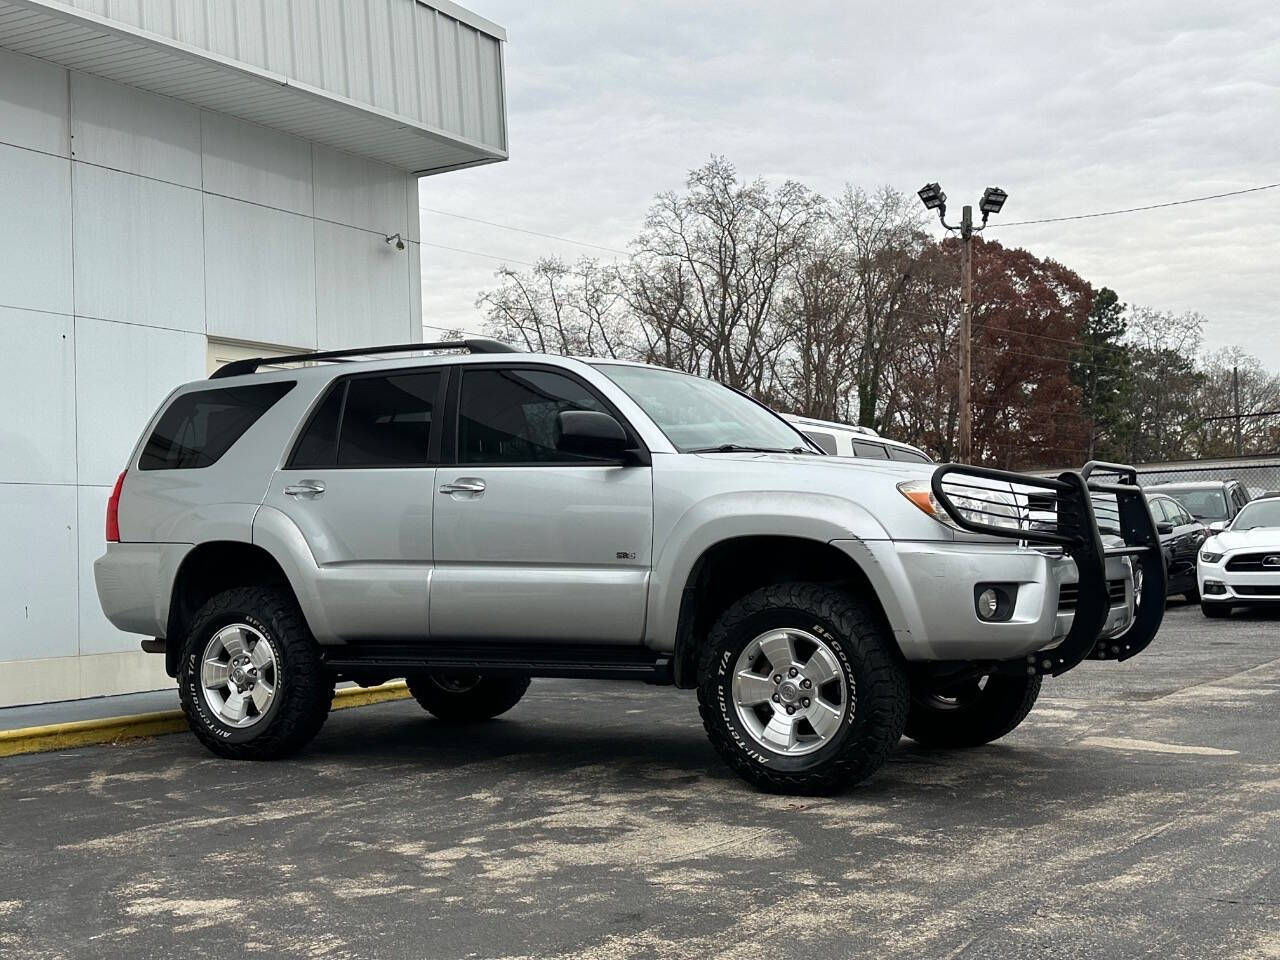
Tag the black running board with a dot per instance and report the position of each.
(598, 662)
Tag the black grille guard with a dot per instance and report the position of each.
(1060, 512)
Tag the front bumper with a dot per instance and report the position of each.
(933, 583)
(1217, 584)
(1061, 514)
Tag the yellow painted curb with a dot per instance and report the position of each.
(81, 733)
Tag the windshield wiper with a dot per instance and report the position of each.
(739, 448)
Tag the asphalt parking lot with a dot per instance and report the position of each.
(1136, 813)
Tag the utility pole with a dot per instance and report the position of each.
(1235, 392)
(993, 199)
(966, 335)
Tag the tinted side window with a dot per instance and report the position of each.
(510, 416)
(199, 427)
(825, 440)
(386, 420)
(318, 445)
(863, 449)
(897, 453)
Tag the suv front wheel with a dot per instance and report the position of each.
(800, 689)
(250, 680)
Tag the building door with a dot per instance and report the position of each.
(358, 484)
(531, 542)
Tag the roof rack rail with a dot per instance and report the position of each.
(474, 345)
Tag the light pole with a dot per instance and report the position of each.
(993, 199)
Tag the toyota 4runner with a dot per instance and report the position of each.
(469, 520)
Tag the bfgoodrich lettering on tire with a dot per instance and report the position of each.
(800, 690)
(250, 680)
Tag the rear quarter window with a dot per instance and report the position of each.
(197, 428)
(862, 448)
(825, 440)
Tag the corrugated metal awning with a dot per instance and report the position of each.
(84, 41)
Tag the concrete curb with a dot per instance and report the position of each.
(81, 733)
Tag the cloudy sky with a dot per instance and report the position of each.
(1072, 108)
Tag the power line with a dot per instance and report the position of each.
(477, 253)
(532, 233)
(1150, 206)
(1044, 336)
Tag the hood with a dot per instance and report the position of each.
(899, 469)
(1261, 538)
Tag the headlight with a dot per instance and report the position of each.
(1208, 556)
(996, 508)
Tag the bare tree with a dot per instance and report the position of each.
(577, 309)
(708, 270)
(1165, 382)
(881, 236)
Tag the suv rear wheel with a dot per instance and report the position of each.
(466, 698)
(250, 680)
(971, 712)
(800, 690)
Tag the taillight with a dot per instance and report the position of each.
(113, 511)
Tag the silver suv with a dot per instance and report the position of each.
(469, 520)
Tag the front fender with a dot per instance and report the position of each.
(758, 513)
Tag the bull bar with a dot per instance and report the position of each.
(1073, 499)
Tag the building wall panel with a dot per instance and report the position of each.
(123, 128)
(251, 162)
(35, 230)
(38, 557)
(359, 192)
(362, 287)
(33, 104)
(260, 271)
(123, 371)
(138, 250)
(37, 395)
(415, 291)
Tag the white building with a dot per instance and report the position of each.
(183, 181)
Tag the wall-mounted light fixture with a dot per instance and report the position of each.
(396, 239)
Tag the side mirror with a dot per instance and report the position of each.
(1219, 525)
(591, 434)
(1163, 527)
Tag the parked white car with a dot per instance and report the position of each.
(846, 440)
(1241, 565)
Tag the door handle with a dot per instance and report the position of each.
(306, 489)
(471, 485)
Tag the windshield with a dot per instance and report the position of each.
(699, 415)
(1201, 504)
(1260, 513)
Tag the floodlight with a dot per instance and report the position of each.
(993, 199)
(931, 196)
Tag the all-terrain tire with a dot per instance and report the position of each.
(1215, 611)
(466, 699)
(961, 721)
(876, 710)
(304, 688)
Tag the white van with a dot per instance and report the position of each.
(844, 440)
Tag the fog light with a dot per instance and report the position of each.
(994, 601)
(1216, 587)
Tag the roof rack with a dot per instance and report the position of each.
(474, 345)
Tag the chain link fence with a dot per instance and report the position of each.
(1258, 474)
